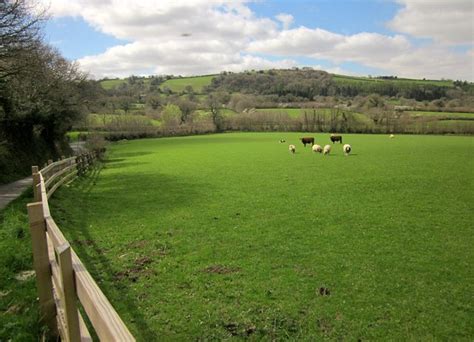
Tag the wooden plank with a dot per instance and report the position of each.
(44, 198)
(61, 321)
(45, 171)
(69, 292)
(56, 276)
(107, 323)
(59, 183)
(85, 335)
(52, 255)
(54, 232)
(41, 265)
(57, 174)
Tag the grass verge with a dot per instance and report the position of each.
(19, 315)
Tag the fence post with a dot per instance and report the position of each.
(69, 292)
(50, 161)
(36, 182)
(79, 165)
(42, 266)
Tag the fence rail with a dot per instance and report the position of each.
(63, 281)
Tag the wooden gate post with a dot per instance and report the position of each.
(69, 292)
(42, 266)
(36, 182)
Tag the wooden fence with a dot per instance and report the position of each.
(62, 279)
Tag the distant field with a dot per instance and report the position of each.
(179, 84)
(225, 112)
(297, 112)
(229, 236)
(451, 115)
(97, 120)
(351, 79)
(457, 125)
(110, 84)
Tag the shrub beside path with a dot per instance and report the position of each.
(10, 191)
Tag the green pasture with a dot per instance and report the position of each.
(355, 79)
(449, 115)
(325, 112)
(293, 112)
(110, 84)
(459, 126)
(225, 112)
(179, 84)
(229, 235)
(100, 120)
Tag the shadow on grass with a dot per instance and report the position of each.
(99, 265)
(113, 161)
(174, 192)
(130, 154)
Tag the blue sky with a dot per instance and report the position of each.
(75, 38)
(409, 38)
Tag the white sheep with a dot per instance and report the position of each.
(327, 149)
(317, 148)
(292, 148)
(347, 149)
(392, 136)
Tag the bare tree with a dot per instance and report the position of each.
(19, 33)
(215, 106)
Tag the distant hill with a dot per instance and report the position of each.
(301, 84)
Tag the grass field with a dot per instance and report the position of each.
(326, 112)
(99, 120)
(450, 115)
(110, 84)
(209, 237)
(19, 316)
(179, 84)
(352, 79)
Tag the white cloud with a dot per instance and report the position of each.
(445, 21)
(174, 58)
(285, 19)
(202, 36)
(318, 43)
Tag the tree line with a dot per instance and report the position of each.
(306, 84)
(41, 93)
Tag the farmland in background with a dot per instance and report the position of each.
(197, 83)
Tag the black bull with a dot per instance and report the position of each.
(335, 138)
(307, 140)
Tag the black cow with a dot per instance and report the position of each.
(307, 140)
(335, 138)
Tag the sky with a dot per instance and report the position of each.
(432, 39)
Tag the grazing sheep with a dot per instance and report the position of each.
(335, 138)
(347, 149)
(307, 140)
(282, 141)
(292, 148)
(327, 149)
(392, 136)
(317, 148)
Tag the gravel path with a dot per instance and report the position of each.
(8, 192)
